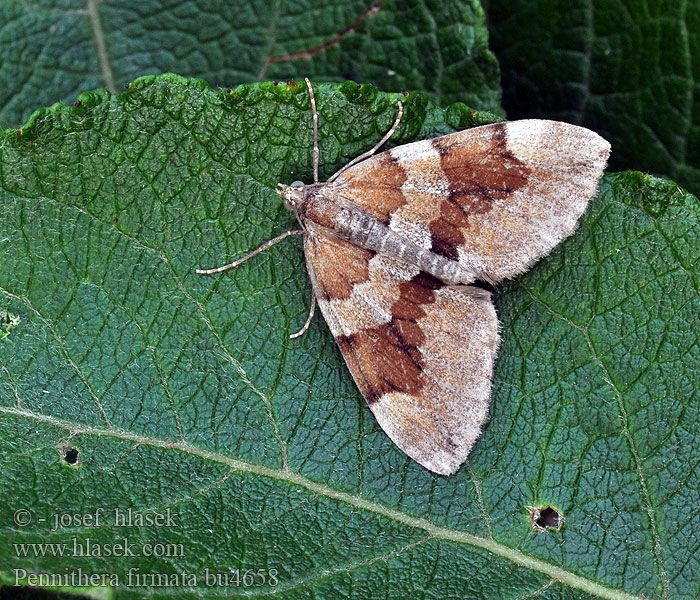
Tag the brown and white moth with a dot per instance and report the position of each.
(394, 243)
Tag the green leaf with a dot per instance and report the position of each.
(54, 49)
(130, 382)
(630, 72)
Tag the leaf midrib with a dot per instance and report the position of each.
(285, 475)
(93, 11)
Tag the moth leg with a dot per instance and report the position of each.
(302, 331)
(315, 114)
(372, 150)
(235, 263)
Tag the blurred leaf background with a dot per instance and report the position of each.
(629, 70)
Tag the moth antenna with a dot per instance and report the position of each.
(235, 263)
(302, 331)
(372, 150)
(315, 116)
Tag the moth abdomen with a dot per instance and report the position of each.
(358, 227)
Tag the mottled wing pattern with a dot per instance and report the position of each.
(495, 198)
(421, 352)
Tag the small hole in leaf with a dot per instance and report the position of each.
(70, 455)
(546, 519)
(8, 321)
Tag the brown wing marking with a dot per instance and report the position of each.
(376, 187)
(496, 198)
(421, 352)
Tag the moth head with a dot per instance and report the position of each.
(293, 195)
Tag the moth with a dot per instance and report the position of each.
(402, 248)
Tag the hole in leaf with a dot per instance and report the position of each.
(70, 455)
(8, 320)
(546, 519)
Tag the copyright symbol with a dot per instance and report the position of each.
(22, 517)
